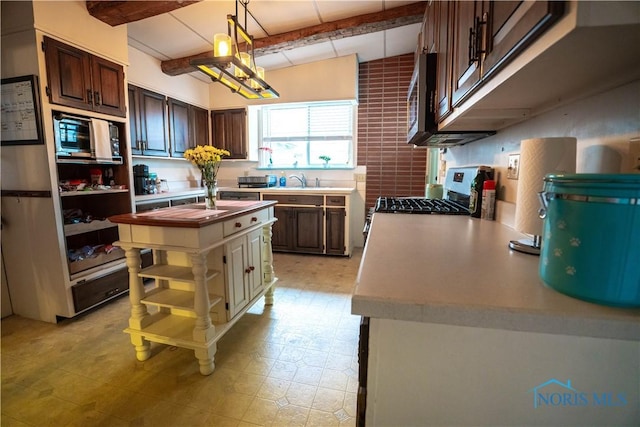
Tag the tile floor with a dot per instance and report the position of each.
(292, 364)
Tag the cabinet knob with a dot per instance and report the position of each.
(238, 224)
(249, 269)
(254, 219)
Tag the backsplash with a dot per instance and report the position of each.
(603, 124)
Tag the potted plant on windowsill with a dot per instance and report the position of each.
(326, 160)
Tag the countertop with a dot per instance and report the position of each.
(192, 215)
(459, 270)
(287, 190)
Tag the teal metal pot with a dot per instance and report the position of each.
(591, 237)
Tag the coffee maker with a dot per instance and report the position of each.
(141, 179)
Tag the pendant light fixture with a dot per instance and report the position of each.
(232, 67)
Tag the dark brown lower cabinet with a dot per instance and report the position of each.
(298, 229)
(363, 364)
(90, 293)
(335, 231)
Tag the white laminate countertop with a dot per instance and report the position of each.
(459, 270)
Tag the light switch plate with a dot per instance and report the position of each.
(513, 170)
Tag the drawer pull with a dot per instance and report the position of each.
(254, 219)
(238, 224)
(112, 292)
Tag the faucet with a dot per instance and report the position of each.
(301, 178)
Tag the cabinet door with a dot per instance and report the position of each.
(282, 238)
(198, 126)
(179, 127)
(466, 68)
(308, 230)
(228, 132)
(108, 87)
(236, 255)
(429, 29)
(153, 123)
(335, 231)
(512, 26)
(254, 263)
(135, 127)
(68, 74)
(444, 35)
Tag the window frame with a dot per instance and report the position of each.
(263, 146)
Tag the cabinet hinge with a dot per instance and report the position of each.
(224, 259)
(226, 306)
(43, 47)
(47, 90)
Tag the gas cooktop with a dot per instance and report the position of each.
(457, 190)
(419, 205)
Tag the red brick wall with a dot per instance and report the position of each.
(394, 168)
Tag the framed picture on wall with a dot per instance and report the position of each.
(21, 121)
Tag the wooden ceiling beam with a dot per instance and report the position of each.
(348, 27)
(116, 13)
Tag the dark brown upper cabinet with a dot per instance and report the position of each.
(467, 47)
(179, 127)
(148, 122)
(228, 131)
(512, 26)
(199, 125)
(188, 126)
(81, 80)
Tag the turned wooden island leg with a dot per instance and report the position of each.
(267, 263)
(139, 314)
(204, 330)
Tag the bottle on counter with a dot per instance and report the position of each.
(283, 179)
(475, 199)
(488, 199)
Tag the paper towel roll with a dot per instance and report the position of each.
(538, 157)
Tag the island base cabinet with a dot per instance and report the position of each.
(434, 374)
(204, 282)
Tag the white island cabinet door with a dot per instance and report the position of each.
(254, 263)
(236, 275)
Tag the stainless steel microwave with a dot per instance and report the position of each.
(73, 138)
(421, 109)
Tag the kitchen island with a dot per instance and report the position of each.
(463, 332)
(210, 267)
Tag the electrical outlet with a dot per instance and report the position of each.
(359, 177)
(514, 166)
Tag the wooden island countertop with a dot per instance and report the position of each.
(193, 215)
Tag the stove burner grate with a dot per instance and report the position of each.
(419, 205)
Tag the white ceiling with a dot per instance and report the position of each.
(189, 30)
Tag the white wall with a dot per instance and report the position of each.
(603, 124)
(326, 80)
(145, 71)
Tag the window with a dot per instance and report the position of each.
(300, 135)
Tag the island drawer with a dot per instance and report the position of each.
(241, 223)
(295, 199)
